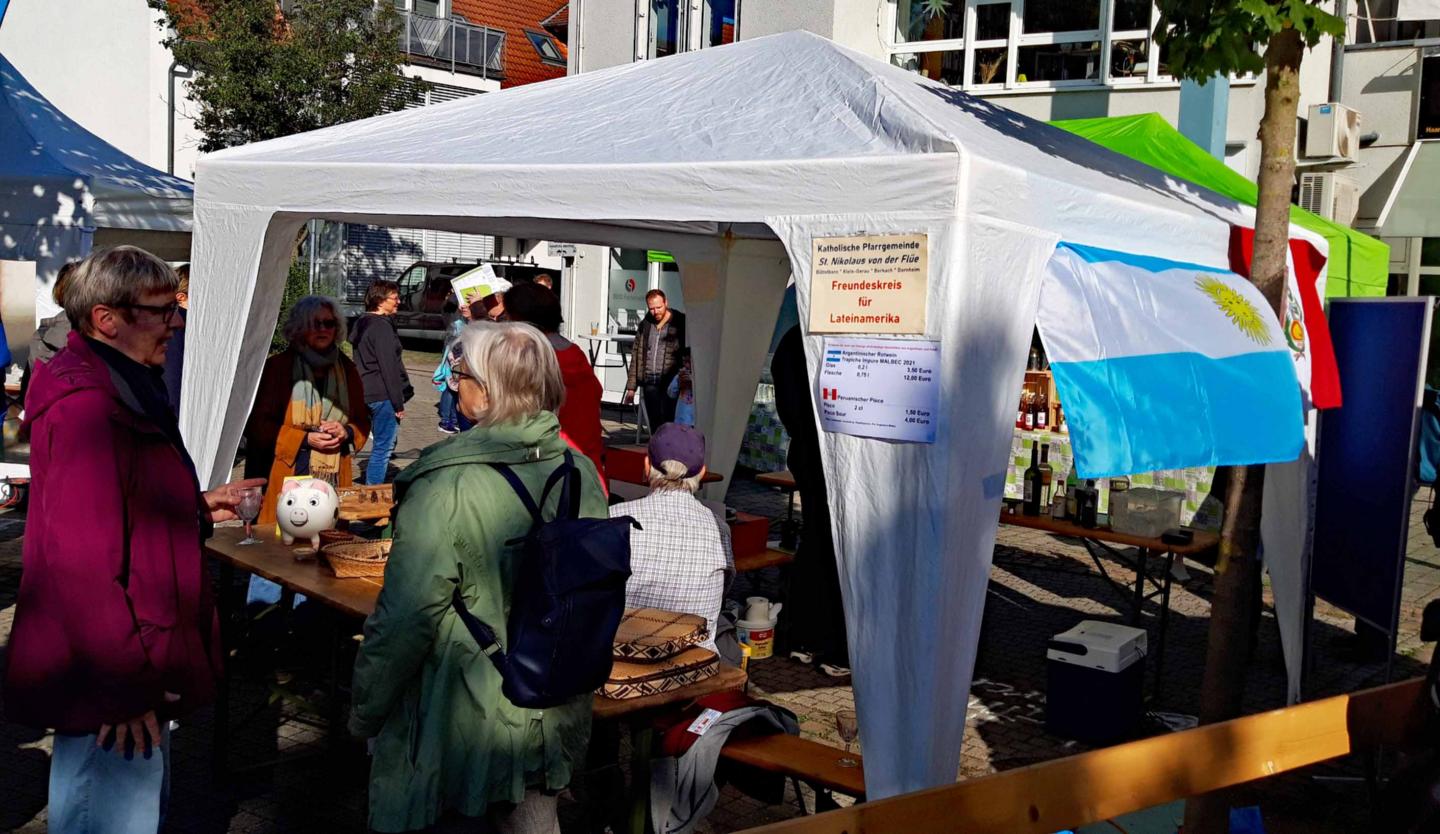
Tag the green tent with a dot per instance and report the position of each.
(1359, 264)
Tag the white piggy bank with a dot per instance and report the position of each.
(305, 509)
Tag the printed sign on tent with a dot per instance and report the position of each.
(869, 284)
(880, 388)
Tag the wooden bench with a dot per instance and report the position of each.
(811, 762)
(1104, 784)
(769, 558)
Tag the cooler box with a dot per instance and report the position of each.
(1095, 675)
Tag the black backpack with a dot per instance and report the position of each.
(567, 602)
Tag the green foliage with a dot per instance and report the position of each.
(1208, 37)
(260, 74)
(297, 286)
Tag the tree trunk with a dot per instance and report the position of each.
(1227, 648)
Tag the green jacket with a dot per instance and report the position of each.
(446, 738)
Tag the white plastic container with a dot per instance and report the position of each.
(759, 635)
(1143, 511)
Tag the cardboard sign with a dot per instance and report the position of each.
(869, 284)
(888, 389)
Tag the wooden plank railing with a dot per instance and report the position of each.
(1103, 784)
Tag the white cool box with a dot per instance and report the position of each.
(1095, 676)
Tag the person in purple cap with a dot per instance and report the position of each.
(681, 560)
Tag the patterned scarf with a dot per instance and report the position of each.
(320, 393)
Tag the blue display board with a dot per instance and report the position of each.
(1367, 456)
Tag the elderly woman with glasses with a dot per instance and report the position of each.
(447, 741)
(115, 633)
(309, 416)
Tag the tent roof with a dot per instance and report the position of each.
(722, 138)
(1359, 264)
(52, 170)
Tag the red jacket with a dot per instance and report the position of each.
(115, 607)
(580, 413)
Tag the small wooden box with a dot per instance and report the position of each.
(626, 463)
(749, 534)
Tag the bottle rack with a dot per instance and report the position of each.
(1043, 382)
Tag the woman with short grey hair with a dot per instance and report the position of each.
(447, 741)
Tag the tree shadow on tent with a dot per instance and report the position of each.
(1082, 152)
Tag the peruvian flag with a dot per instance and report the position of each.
(829, 394)
(1304, 321)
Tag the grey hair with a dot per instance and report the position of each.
(516, 366)
(305, 312)
(670, 475)
(115, 277)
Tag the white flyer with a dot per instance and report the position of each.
(882, 388)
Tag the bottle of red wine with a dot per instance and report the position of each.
(1033, 484)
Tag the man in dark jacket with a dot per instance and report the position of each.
(115, 631)
(814, 617)
(382, 371)
(655, 359)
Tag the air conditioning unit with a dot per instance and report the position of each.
(1334, 131)
(1331, 196)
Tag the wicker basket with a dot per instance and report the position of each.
(357, 558)
(329, 537)
(366, 503)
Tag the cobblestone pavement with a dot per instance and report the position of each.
(293, 777)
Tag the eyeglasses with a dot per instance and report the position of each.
(453, 381)
(166, 312)
(326, 324)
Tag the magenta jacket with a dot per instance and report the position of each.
(115, 608)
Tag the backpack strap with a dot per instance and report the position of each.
(519, 486)
(484, 635)
(567, 474)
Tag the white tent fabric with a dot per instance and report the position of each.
(735, 159)
(64, 189)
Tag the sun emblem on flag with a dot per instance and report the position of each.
(1236, 307)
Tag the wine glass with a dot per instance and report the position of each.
(248, 508)
(848, 726)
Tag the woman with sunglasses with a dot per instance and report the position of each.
(309, 416)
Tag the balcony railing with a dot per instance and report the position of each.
(457, 44)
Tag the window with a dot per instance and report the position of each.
(665, 37)
(549, 49)
(1007, 44)
(720, 22)
(666, 27)
(1070, 16)
(1377, 21)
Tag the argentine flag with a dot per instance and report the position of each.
(1163, 365)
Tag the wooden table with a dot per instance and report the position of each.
(627, 463)
(356, 598)
(784, 481)
(769, 558)
(1147, 546)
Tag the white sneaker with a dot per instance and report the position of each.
(804, 657)
(835, 671)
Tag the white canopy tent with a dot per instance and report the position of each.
(63, 190)
(735, 159)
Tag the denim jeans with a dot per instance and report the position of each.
(383, 428)
(95, 790)
(449, 410)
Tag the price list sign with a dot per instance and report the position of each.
(881, 388)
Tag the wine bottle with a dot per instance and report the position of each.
(1042, 411)
(1072, 495)
(1032, 482)
(1047, 475)
(1029, 411)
